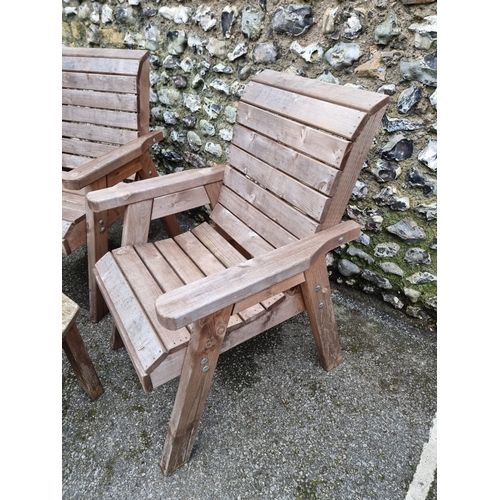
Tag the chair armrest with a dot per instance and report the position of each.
(121, 195)
(208, 295)
(99, 167)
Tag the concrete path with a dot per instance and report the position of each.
(276, 426)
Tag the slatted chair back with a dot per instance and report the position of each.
(103, 105)
(297, 149)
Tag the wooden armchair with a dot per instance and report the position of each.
(297, 150)
(105, 140)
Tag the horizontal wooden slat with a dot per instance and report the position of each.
(70, 162)
(339, 120)
(155, 187)
(289, 218)
(108, 66)
(198, 300)
(313, 142)
(72, 214)
(273, 291)
(217, 245)
(85, 148)
(89, 132)
(179, 202)
(366, 101)
(306, 199)
(139, 55)
(142, 344)
(255, 219)
(242, 234)
(100, 117)
(73, 198)
(101, 100)
(105, 83)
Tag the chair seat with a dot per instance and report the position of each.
(133, 277)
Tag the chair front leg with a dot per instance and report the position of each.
(194, 385)
(97, 246)
(318, 301)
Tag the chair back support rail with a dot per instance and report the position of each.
(276, 208)
(105, 140)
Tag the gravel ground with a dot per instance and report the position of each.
(276, 426)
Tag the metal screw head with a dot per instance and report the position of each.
(103, 229)
(150, 172)
(318, 288)
(321, 304)
(341, 239)
(205, 368)
(204, 361)
(101, 222)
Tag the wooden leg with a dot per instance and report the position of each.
(194, 384)
(116, 341)
(80, 362)
(97, 246)
(317, 299)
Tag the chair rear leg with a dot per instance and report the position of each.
(317, 299)
(196, 376)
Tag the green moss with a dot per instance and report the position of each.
(309, 489)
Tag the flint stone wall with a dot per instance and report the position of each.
(202, 55)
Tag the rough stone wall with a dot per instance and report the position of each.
(203, 53)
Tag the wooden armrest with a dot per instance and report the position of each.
(85, 174)
(134, 192)
(208, 295)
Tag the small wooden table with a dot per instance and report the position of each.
(75, 350)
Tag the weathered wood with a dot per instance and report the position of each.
(70, 310)
(100, 117)
(343, 121)
(194, 384)
(353, 167)
(97, 133)
(363, 100)
(304, 168)
(251, 241)
(196, 300)
(304, 198)
(76, 352)
(290, 219)
(297, 149)
(144, 345)
(153, 188)
(318, 301)
(317, 144)
(104, 82)
(170, 368)
(105, 108)
(100, 100)
(106, 65)
(136, 223)
(254, 219)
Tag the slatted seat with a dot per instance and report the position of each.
(297, 150)
(105, 140)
